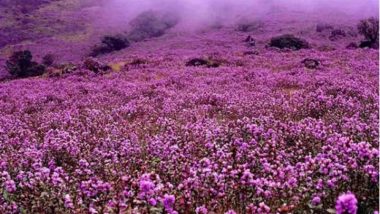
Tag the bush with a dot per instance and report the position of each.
(110, 44)
(321, 27)
(95, 66)
(20, 64)
(196, 62)
(352, 46)
(311, 63)
(151, 24)
(48, 59)
(138, 62)
(250, 41)
(61, 69)
(249, 26)
(337, 34)
(289, 41)
(368, 44)
(369, 28)
(247, 53)
(209, 62)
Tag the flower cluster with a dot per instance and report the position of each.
(258, 134)
(346, 203)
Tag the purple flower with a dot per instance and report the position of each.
(316, 201)
(146, 186)
(68, 202)
(169, 201)
(56, 179)
(346, 204)
(10, 186)
(152, 202)
(93, 210)
(201, 210)
(263, 208)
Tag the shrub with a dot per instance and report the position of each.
(326, 48)
(20, 64)
(311, 63)
(246, 53)
(289, 41)
(249, 26)
(352, 46)
(209, 62)
(95, 66)
(250, 41)
(351, 31)
(110, 44)
(196, 62)
(368, 44)
(151, 24)
(48, 59)
(324, 27)
(138, 62)
(369, 28)
(337, 34)
(60, 70)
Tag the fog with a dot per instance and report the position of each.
(196, 13)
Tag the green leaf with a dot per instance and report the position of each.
(23, 211)
(6, 196)
(330, 210)
(156, 210)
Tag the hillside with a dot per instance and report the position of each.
(207, 120)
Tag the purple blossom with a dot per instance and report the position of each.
(346, 204)
(10, 186)
(316, 200)
(146, 186)
(263, 208)
(152, 202)
(68, 201)
(201, 210)
(169, 201)
(93, 210)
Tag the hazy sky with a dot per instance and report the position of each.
(199, 12)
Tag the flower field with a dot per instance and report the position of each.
(258, 134)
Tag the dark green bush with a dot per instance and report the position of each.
(337, 34)
(20, 64)
(110, 44)
(151, 24)
(249, 26)
(95, 66)
(207, 62)
(321, 27)
(369, 28)
(48, 59)
(289, 41)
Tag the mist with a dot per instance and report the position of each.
(200, 13)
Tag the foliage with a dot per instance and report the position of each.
(20, 64)
(369, 28)
(48, 60)
(95, 66)
(110, 44)
(151, 24)
(289, 41)
(249, 26)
